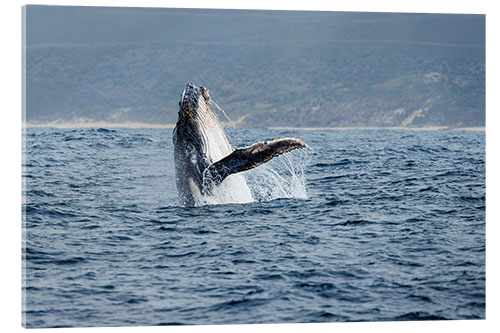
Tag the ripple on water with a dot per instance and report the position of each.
(367, 230)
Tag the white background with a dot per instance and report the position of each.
(10, 162)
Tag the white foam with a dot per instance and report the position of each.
(282, 177)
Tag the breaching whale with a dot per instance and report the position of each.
(206, 167)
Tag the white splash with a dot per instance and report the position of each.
(218, 111)
(282, 177)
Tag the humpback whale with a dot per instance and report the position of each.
(207, 168)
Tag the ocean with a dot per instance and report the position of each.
(362, 225)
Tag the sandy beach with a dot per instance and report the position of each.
(171, 126)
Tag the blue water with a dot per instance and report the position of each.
(363, 225)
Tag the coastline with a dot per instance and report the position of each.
(102, 124)
(428, 128)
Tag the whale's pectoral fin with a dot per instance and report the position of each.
(242, 159)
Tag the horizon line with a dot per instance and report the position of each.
(102, 124)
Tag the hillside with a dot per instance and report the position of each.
(314, 69)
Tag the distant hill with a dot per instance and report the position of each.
(273, 68)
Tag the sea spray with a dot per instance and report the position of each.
(282, 177)
(218, 111)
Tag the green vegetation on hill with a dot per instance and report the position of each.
(306, 79)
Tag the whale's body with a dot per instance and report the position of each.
(206, 166)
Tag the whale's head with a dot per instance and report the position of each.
(198, 138)
(196, 122)
(194, 116)
(198, 135)
(193, 106)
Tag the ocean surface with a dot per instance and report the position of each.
(362, 225)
